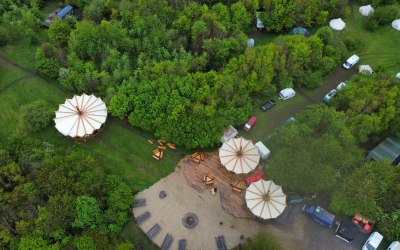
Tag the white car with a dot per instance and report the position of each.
(373, 241)
(329, 96)
(351, 62)
(342, 85)
(395, 245)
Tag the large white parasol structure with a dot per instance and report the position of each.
(396, 24)
(366, 10)
(239, 155)
(80, 116)
(265, 199)
(337, 24)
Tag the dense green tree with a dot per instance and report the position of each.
(58, 33)
(36, 115)
(87, 212)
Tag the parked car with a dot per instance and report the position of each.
(346, 231)
(250, 123)
(342, 85)
(329, 96)
(268, 105)
(351, 62)
(287, 93)
(395, 245)
(319, 214)
(373, 241)
(294, 199)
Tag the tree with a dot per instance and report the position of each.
(36, 115)
(87, 213)
(311, 154)
(58, 33)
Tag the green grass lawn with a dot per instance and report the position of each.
(380, 47)
(9, 73)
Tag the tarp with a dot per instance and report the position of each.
(366, 10)
(67, 9)
(337, 24)
(389, 148)
(263, 150)
(299, 31)
(239, 155)
(396, 24)
(265, 199)
(365, 69)
(80, 116)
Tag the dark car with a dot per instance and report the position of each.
(295, 198)
(268, 105)
(346, 231)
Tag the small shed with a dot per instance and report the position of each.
(67, 10)
(229, 133)
(263, 150)
(389, 149)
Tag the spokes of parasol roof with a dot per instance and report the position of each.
(265, 199)
(239, 155)
(80, 116)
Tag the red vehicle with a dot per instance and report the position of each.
(363, 224)
(250, 123)
(254, 178)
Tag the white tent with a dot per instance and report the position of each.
(365, 69)
(80, 116)
(229, 133)
(259, 23)
(396, 24)
(366, 10)
(265, 199)
(239, 155)
(337, 24)
(250, 43)
(398, 75)
(263, 150)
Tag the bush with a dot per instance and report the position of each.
(386, 14)
(351, 43)
(372, 23)
(36, 116)
(262, 241)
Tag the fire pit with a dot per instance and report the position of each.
(190, 220)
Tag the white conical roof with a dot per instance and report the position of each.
(366, 10)
(365, 69)
(265, 199)
(396, 24)
(80, 116)
(239, 155)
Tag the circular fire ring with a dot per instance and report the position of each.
(162, 194)
(190, 220)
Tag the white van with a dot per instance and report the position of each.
(395, 245)
(351, 62)
(286, 93)
(373, 241)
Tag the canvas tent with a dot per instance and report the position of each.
(81, 116)
(250, 43)
(263, 150)
(229, 133)
(265, 199)
(239, 155)
(365, 69)
(366, 10)
(389, 149)
(337, 24)
(299, 31)
(398, 75)
(396, 24)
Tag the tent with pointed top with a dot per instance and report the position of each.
(81, 116)
(337, 24)
(396, 24)
(265, 199)
(239, 155)
(366, 10)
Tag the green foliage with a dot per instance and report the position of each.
(352, 43)
(95, 10)
(85, 243)
(58, 33)
(37, 115)
(262, 241)
(389, 225)
(87, 212)
(312, 153)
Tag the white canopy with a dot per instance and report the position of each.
(366, 10)
(265, 199)
(396, 24)
(365, 69)
(239, 155)
(80, 116)
(337, 24)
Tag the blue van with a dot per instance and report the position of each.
(319, 214)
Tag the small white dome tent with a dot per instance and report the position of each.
(337, 24)
(366, 10)
(250, 43)
(396, 24)
(365, 69)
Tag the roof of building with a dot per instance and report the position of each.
(389, 148)
(64, 11)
